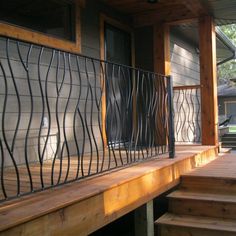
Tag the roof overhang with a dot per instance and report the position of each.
(145, 13)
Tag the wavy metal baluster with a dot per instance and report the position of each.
(2, 170)
(165, 113)
(100, 106)
(89, 91)
(107, 112)
(137, 81)
(26, 68)
(109, 109)
(81, 119)
(91, 117)
(198, 114)
(184, 115)
(142, 113)
(130, 104)
(193, 116)
(74, 125)
(64, 117)
(42, 116)
(125, 113)
(114, 79)
(3, 129)
(63, 144)
(17, 96)
(188, 114)
(57, 119)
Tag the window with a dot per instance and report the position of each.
(51, 23)
(230, 110)
(55, 18)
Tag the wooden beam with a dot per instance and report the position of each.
(208, 77)
(195, 6)
(144, 220)
(170, 15)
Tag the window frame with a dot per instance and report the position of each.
(32, 36)
(228, 102)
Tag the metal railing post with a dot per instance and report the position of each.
(171, 134)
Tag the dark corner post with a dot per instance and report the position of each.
(171, 136)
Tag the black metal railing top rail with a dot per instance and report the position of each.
(187, 113)
(65, 116)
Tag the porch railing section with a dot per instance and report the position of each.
(187, 114)
(65, 117)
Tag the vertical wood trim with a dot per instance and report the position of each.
(102, 56)
(208, 78)
(78, 26)
(105, 19)
(162, 65)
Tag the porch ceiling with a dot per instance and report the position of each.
(144, 13)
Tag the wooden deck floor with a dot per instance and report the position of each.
(84, 206)
(63, 171)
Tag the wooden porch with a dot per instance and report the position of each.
(81, 207)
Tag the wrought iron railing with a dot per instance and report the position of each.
(187, 114)
(65, 117)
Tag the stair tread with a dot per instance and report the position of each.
(199, 222)
(216, 197)
(225, 150)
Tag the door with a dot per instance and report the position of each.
(118, 86)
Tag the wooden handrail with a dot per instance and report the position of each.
(187, 87)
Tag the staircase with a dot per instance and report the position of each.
(229, 140)
(204, 204)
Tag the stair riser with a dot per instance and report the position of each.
(208, 184)
(169, 230)
(202, 208)
(232, 143)
(229, 135)
(231, 139)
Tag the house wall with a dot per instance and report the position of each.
(185, 70)
(49, 79)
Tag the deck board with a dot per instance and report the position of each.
(223, 167)
(99, 199)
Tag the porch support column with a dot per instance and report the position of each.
(161, 49)
(161, 61)
(144, 220)
(208, 78)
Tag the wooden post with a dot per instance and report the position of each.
(144, 220)
(161, 60)
(161, 48)
(208, 78)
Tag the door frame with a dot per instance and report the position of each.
(111, 21)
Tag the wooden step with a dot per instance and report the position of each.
(185, 225)
(202, 204)
(225, 150)
(209, 184)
